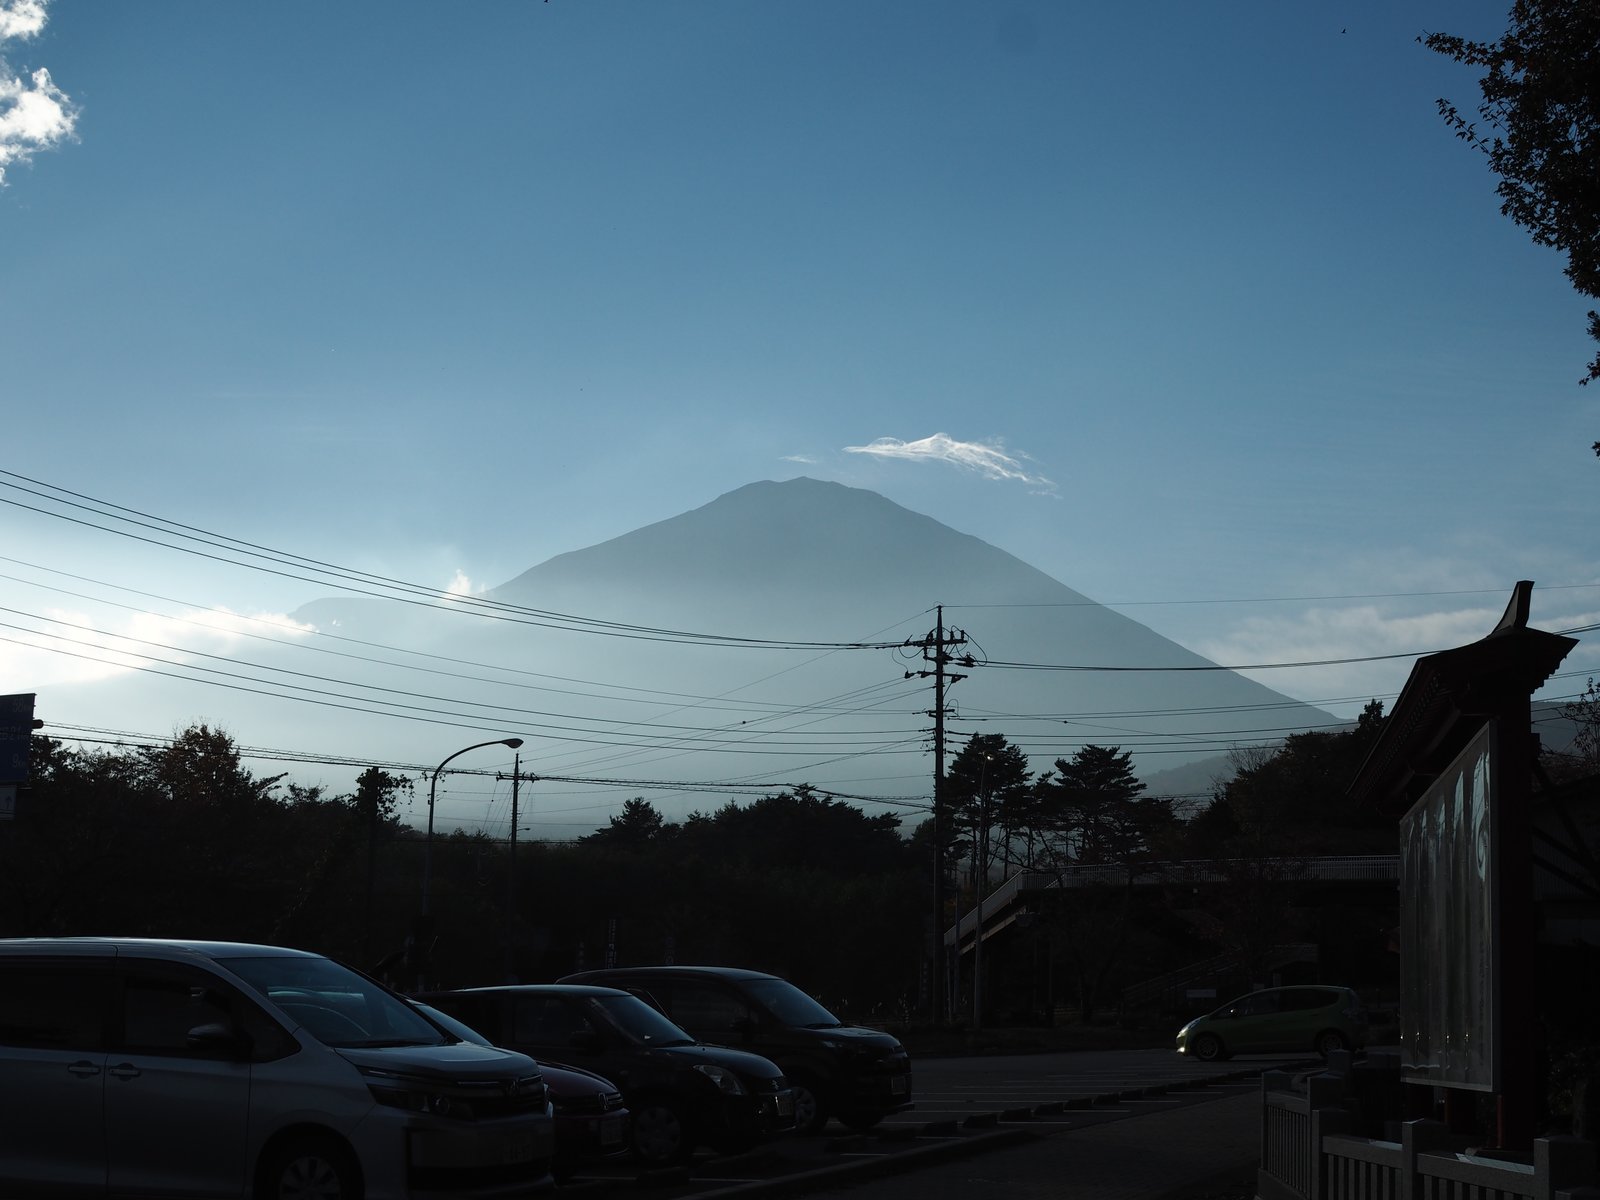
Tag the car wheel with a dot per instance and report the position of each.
(810, 1113)
(1330, 1040)
(310, 1169)
(660, 1138)
(1208, 1048)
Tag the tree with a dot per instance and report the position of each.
(1293, 802)
(638, 824)
(1541, 100)
(1093, 815)
(1584, 713)
(987, 790)
(201, 768)
(1091, 803)
(1282, 807)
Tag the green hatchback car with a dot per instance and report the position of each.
(1284, 1020)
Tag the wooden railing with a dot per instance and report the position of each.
(1309, 1152)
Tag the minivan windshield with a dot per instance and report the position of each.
(334, 1004)
(639, 1022)
(790, 1005)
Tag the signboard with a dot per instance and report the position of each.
(1449, 1031)
(8, 801)
(16, 732)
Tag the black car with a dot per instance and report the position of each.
(856, 1074)
(681, 1094)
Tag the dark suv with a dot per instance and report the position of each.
(857, 1075)
(681, 1094)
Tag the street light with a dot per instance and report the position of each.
(433, 784)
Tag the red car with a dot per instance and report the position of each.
(591, 1119)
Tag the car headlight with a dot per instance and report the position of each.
(414, 1095)
(726, 1081)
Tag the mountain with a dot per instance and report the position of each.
(810, 560)
(766, 639)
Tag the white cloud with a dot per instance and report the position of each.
(1365, 631)
(803, 459)
(988, 459)
(21, 18)
(34, 113)
(71, 646)
(462, 586)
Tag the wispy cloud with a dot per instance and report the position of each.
(988, 459)
(34, 113)
(803, 459)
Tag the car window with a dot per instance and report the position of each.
(162, 1004)
(790, 1005)
(158, 1011)
(53, 1007)
(1305, 999)
(707, 1007)
(547, 1021)
(637, 1021)
(1260, 1004)
(334, 1004)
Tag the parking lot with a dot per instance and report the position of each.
(963, 1106)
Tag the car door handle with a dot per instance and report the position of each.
(125, 1071)
(83, 1069)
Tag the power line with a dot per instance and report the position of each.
(362, 583)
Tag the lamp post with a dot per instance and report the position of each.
(433, 784)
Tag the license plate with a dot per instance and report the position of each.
(899, 1085)
(786, 1105)
(518, 1148)
(611, 1131)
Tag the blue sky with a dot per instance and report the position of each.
(1179, 303)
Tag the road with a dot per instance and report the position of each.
(963, 1105)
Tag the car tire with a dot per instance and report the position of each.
(1208, 1047)
(660, 1135)
(810, 1113)
(1330, 1040)
(310, 1168)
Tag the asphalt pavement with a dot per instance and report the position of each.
(1128, 1127)
(1194, 1150)
(1195, 1141)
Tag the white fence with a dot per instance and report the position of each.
(1309, 1153)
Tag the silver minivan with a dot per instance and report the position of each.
(189, 1069)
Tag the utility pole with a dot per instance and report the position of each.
(935, 649)
(511, 873)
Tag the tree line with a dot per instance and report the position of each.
(184, 840)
